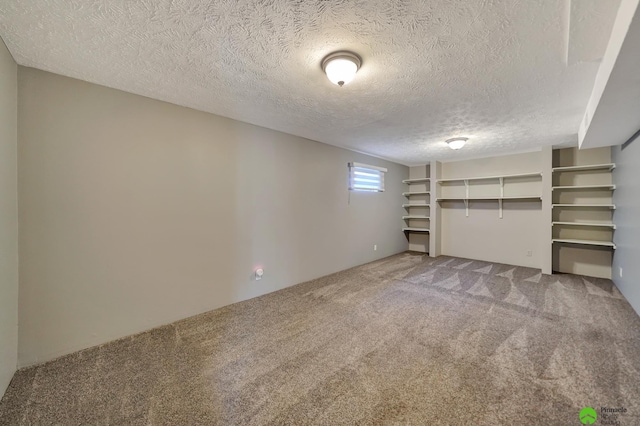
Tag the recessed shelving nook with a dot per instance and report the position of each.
(582, 225)
(418, 219)
(507, 187)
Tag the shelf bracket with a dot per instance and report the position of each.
(501, 196)
(466, 196)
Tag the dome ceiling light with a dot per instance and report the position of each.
(341, 67)
(456, 143)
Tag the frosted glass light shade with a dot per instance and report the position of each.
(456, 143)
(341, 67)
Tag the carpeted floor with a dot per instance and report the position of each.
(404, 340)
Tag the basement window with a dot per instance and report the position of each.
(363, 177)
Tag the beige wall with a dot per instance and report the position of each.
(8, 218)
(483, 235)
(135, 213)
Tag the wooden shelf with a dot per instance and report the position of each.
(607, 187)
(519, 175)
(410, 217)
(415, 205)
(415, 229)
(420, 180)
(409, 194)
(603, 206)
(585, 242)
(588, 224)
(608, 166)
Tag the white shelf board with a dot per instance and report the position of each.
(409, 194)
(604, 206)
(414, 217)
(419, 180)
(609, 187)
(415, 205)
(589, 224)
(608, 166)
(515, 197)
(416, 229)
(518, 175)
(585, 242)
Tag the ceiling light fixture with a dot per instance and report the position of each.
(341, 67)
(456, 143)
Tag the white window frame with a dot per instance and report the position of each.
(361, 169)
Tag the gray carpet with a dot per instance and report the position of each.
(404, 340)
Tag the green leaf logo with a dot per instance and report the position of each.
(588, 416)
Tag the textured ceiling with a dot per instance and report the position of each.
(511, 75)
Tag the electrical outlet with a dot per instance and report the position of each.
(621, 272)
(529, 253)
(375, 247)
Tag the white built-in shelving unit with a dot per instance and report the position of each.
(499, 183)
(582, 210)
(417, 220)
